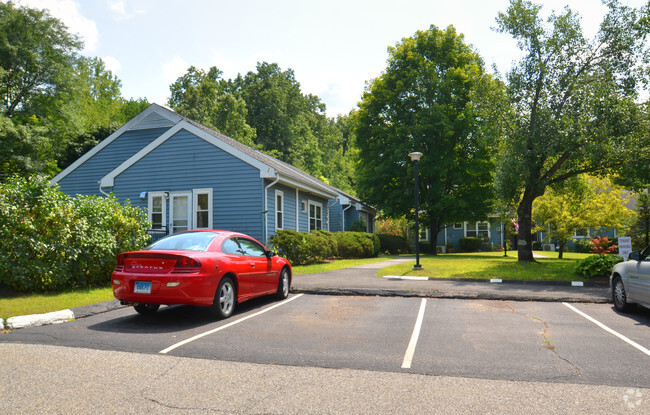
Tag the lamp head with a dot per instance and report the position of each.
(415, 156)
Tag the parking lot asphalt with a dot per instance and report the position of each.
(361, 280)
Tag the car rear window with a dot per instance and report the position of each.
(187, 241)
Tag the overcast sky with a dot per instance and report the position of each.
(333, 46)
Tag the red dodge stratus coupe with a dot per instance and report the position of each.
(209, 268)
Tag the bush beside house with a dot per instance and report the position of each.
(393, 244)
(305, 248)
(51, 241)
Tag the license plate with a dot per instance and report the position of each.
(142, 287)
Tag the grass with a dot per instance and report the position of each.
(334, 265)
(45, 303)
(488, 265)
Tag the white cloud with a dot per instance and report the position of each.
(112, 64)
(173, 69)
(119, 8)
(69, 13)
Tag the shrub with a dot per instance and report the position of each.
(294, 246)
(306, 248)
(597, 265)
(603, 245)
(470, 244)
(583, 246)
(357, 226)
(51, 241)
(392, 244)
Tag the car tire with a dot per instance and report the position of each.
(146, 308)
(224, 299)
(284, 282)
(619, 296)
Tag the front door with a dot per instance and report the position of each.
(180, 211)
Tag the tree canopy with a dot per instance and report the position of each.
(427, 100)
(573, 102)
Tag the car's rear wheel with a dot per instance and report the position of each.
(145, 308)
(619, 295)
(283, 284)
(224, 299)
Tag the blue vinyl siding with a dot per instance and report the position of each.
(84, 180)
(185, 162)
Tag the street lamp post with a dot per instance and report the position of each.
(415, 157)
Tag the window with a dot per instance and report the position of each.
(156, 210)
(315, 216)
(478, 229)
(303, 205)
(582, 233)
(424, 234)
(251, 248)
(279, 209)
(202, 208)
(363, 216)
(458, 226)
(231, 246)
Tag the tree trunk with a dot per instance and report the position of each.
(434, 228)
(561, 250)
(524, 216)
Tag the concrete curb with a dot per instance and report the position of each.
(61, 316)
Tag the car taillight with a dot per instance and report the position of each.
(185, 262)
(120, 262)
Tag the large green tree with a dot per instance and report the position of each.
(573, 102)
(36, 59)
(206, 98)
(429, 99)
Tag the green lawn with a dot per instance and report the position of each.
(488, 265)
(338, 264)
(44, 303)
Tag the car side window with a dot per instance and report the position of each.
(251, 248)
(231, 246)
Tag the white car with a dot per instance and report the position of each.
(630, 281)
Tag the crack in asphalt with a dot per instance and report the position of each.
(546, 339)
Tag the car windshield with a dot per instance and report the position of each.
(188, 241)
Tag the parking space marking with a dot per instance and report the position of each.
(607, 329)
(207, 333)
(410, 350)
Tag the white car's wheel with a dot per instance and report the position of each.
(619, 295)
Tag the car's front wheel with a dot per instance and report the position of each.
(224, 299)
(619, 295)
(145, 308)
(283, 285)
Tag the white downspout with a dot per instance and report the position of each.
(266, 209)
(328, 212)
(101, 191)
(343, 216)
(297, 211)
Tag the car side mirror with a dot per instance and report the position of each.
(270, 254)
(634, 255)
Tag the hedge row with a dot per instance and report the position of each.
(302, 248)
(393, 244)
(51, 241)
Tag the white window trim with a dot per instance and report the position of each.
(163, 204)
(279, 209)
(309, 204)
(426, 234)
(476, 227)
(195, 206)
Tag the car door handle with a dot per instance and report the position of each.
(252, 264)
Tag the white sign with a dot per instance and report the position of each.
(624, 246)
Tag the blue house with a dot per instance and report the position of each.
(188, 176)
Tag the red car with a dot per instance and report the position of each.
(209, 268)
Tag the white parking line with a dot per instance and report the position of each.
(207, 333)
(607, 329)
(410, 350)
